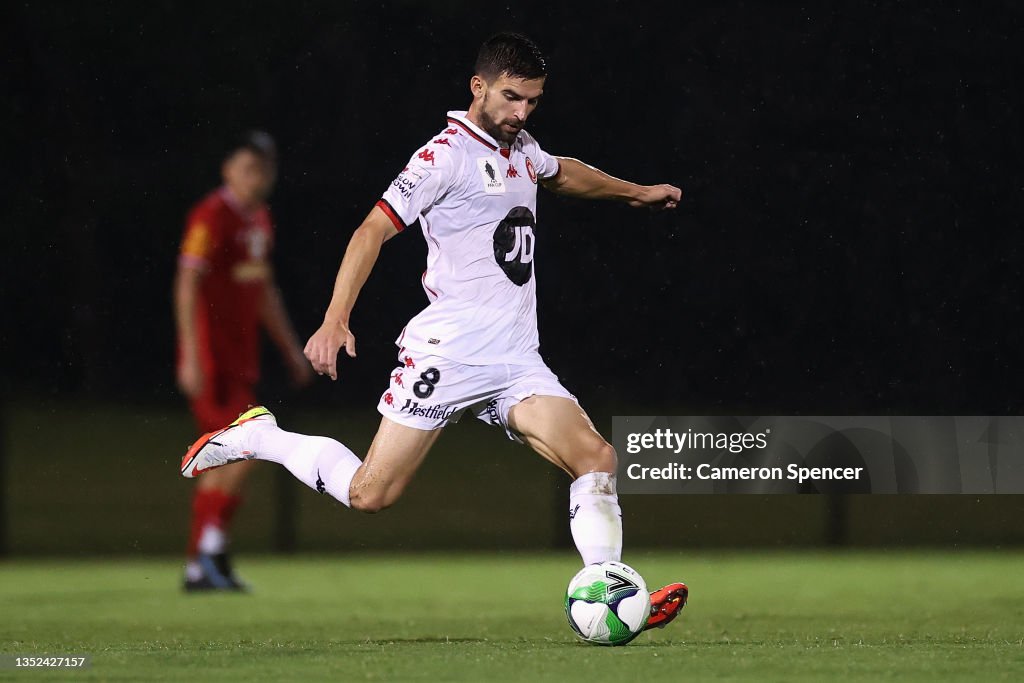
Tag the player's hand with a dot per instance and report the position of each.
(322, 348)
(190, 378)
(299, 369)
(658, 197)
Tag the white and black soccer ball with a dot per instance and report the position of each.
(607, 603)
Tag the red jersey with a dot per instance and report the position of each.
(232, 246)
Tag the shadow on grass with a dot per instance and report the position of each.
(426, 640)
(546, 642)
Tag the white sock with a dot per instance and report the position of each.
(193, 572)
(322, 464)
(595, 518)
(212, 540)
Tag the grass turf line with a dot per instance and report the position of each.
(462, 617)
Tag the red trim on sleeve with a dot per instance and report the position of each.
(190, 261)
(391, 213)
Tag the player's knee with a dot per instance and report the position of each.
(370, 500)
(607, 458)
(600, 457)
(367, 501)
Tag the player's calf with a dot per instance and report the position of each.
(394, 456)
(372, 490)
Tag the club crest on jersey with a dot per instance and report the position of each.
(530, 170)
(257, 242)
(493, 182)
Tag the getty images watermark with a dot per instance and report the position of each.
(837, 454)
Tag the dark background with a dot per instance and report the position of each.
(848, 241)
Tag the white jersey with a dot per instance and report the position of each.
(477, 204)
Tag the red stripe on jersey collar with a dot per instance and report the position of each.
(473, 134)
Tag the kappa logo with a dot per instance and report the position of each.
(426, 155)
(398, 379)
(572, 515)
(320, 487)
(493, 182)
(389, 399)
(512, 172)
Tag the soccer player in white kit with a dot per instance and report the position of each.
(473, 189)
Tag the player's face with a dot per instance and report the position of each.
(506, 103)
(249, 176)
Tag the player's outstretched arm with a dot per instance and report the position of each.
(281, 331)
(186, 294)
(577, 179)
(360, 256)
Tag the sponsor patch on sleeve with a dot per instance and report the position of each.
(409, 179)
(198, 242)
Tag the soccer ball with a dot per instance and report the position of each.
(607, 603)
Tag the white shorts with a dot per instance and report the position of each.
(428, 392)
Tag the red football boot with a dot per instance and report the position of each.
(666, 604)
(206, 453)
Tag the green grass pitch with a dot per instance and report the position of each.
(462, 617)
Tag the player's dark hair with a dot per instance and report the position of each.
(510, 54)
(258, 142)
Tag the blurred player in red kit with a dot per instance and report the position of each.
(224, 293)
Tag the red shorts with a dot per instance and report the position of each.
(223, 399)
